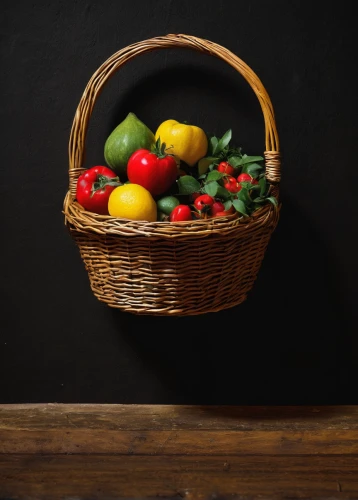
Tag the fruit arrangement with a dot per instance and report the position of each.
(179, 173)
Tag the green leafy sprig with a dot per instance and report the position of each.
(219, 150)
(209, 180)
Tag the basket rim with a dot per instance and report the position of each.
(77, 218)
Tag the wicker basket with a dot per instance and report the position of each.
(164, 268)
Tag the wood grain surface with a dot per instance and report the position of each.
(53, 451)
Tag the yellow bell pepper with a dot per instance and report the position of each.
(187, 142)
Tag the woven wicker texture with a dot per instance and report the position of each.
(164, 268)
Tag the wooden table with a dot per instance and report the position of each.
(60, 451)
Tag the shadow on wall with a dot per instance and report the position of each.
(187, 86)
(211, 100)
(287, 344)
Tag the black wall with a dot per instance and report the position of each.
(294, 341)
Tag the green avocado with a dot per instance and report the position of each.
(131, 134)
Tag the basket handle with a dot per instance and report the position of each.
(111, 65)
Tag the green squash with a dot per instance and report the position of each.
(129, 136)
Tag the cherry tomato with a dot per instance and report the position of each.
(203, 202)
(180, 213)
(230, 211)
(94, 187)
(225, 168)
(217, 206)
(231, 184)
(246, 178)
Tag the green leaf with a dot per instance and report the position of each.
(253, 169)
(259, 200)
(214, 175)
(243, 195)
(240, 207)
(211, 188)
(263, 186)
(252, 159)
(235, 161)
(249, 159)
(227, 204)
(273, 200)
(187, 184)
(204, 164)
(223, 193)
(213, 143)
(223, 142)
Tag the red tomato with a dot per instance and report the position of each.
(155, 170)
(225, 168)
(180, 213)
(94, 187)
(231, 184)
(217, 207)
(203, 202)
(230, 211)
(246, 178)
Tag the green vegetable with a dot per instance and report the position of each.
(129, 136)
(167, 204)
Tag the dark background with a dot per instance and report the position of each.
(294, 341)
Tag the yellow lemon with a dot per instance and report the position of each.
(188, 142)
(132, 201)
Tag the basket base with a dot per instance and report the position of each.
(181, 274)
(152, 311)
(178, 282)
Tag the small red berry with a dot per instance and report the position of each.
(225, 168)
(204, 202)
(180, 213)
(231, 184)
(217, 207)
(229, 211)
(246, 178)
